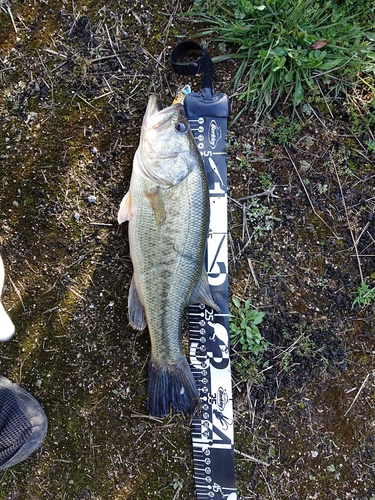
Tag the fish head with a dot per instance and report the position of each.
(167, 150)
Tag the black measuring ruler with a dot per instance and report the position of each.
(212, 428)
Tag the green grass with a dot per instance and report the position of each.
(365, 295)
(285, 130)
(283, 45)
(244, 327)
(260, 218)
(247, 341)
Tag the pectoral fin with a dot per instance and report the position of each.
(125, 210)
(157, 205)
(135, 310)
(202, 293)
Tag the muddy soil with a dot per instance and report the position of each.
(75, 79)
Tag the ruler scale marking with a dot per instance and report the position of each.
(212, 429)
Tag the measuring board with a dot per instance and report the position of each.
(212, 429)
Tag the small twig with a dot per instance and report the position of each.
(308, 196)
(267, 192)
(231, 244)
(177, 494)
(251, 458)
(33, 270)
(370, 236)
(150, 417)
(99, 59)
(324, 99)
(370, 466)
(74, 292)
(22, 362)
(235, 202)
(347, 220)
(363, 230)
(95, 405)
(100, 224)
(357, 395)
(335, 69)
(53, 52)
(316, 116)
(103, 95)
(18, 293)
(290, 348)
(51, 310)
(250, 404)
(245, 228)
(12, 19)
(253, 272)
(268, 486)
(147, 53)
(112, 47)
(83, 99)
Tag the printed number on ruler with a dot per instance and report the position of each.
(217, 249)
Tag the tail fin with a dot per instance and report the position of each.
(171, 385)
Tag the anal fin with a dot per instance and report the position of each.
(135, 309)
(202, 293)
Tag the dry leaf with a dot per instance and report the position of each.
(318, 45)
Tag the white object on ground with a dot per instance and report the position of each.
(6, 325)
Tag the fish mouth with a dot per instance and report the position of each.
(153, 105)
(157, 118)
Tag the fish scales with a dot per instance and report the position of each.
(168, 259)
(168, 211)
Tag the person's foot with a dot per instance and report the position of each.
(23, 424)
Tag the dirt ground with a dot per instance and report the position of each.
(75, 79)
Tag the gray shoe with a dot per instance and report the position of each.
(23, 424)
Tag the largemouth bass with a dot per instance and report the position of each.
(167, 207)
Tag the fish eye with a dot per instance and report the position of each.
(181, 127)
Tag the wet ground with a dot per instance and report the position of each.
(75, 79)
